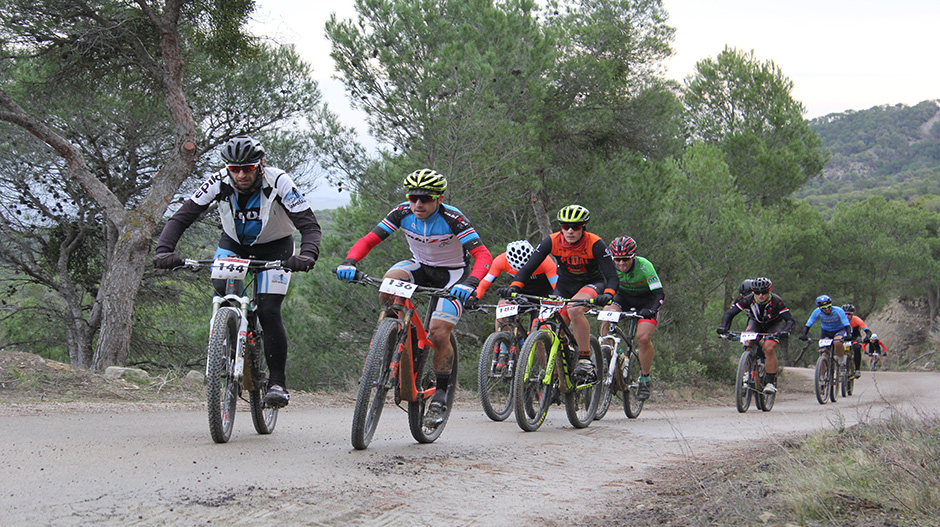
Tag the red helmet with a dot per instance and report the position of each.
(623, 247)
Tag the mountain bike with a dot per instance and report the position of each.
(847, 382)
(234, 343)
(749, 382)
(874, 360)
(498, 360)
(828, 375)
(621, 363)
(543, 371)
(400, 360)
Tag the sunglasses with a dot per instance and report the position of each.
(571, 226)
(622, 259)
(827, 306)
(422, 198)
(762, 291)
(235, 169)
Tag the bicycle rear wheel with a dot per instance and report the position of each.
(836, 372)
(494, 376)
(608, 387)
(262, 416)
(743, 382)
(821, 379)
(531, 396)
(848, 383)
(426, 380)
(764, 401)
(221, 385)
(582, 400)
(631, 378)
(375, 382)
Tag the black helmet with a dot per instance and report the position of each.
(242, 150)
(849, 309)
(745, 287)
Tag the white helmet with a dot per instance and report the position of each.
(518, 253)
(874, 336)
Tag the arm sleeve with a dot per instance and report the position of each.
(607, 267)
(482, 260)
(177, 224)
(361, 248)
(550, 270)
(306, 222)
(729, 316)
(499, 265)
(791, 322)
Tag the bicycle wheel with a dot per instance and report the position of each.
(631, 378)
(375, 382)
(821, 379)
(262, 416)
(494, 376)
(221, 385)
(582, 400)
(848, 384)
(608, 388)
(531, 396)
(743, 382)
(426, 380)
(836, 371)
(764, 401)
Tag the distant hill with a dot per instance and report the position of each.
(893, 151)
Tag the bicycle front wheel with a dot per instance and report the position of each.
(375, 382)
(425, 381)
(821, 379)
(742, 387)
(531, 396)
(262, 416)
(848, 383)
(632, 406)
(494, 376)
(608, 385)
(221, 385)
(582, 400)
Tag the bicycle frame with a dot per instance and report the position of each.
(617, 335)
(409, 341)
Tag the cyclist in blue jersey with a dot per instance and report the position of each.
(833, 322)
(442, 241)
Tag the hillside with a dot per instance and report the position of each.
(893, 151)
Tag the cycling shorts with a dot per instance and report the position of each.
(445, 309)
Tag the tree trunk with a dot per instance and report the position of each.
(544, 222)
(118, 295)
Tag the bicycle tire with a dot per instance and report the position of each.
(263, 417)
(608, 385)
(425, 380)
(532, 396)
(836, 383)
(632, 406)
(821, 379)
(495, 380)
(743, 381)
(374, 383)
(581, 401)
(221, 385)
(764, 401)
(848, 383)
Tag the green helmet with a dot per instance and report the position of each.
(425, 181)
(574, 214)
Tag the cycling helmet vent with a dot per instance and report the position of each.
(425, 181)
(574, 214)
(761, 284)
(623, 247)
(242, 150)
(823, 301)
(518, 253)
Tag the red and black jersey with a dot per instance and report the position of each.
(771, 311)
(583, 262)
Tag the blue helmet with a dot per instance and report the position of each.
(823, 301)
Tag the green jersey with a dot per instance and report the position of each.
(641, 280)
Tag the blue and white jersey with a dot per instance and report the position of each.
(259, 220)
(834, 321)
(442, 240)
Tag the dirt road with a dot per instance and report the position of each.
(118, 465)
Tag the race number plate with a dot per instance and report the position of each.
(824, 342)
(229, 269)
(748, 336)
(548, 308)
(507, 310)
(397, 288)
(608, 316)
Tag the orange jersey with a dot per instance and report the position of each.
(586, 261)
(541, 284)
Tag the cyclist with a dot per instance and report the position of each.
(834, 324)
(639, 288)
(441, 240)
(260, 208)
(876, 345)
(744, 288)
(585, 271)
(517, 254)
(858, 326)
(766, 313)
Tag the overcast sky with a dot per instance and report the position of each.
(840, 54)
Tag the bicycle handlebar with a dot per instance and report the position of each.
(195, 264)
(362, 278)
(534, 299)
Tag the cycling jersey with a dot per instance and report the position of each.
(585, 262)
(770, 312)
(445, 239)
(541, 284)
(834, 321)
(272, 212)
(858, 326)
(876, 346)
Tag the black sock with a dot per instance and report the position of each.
(443, 382)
